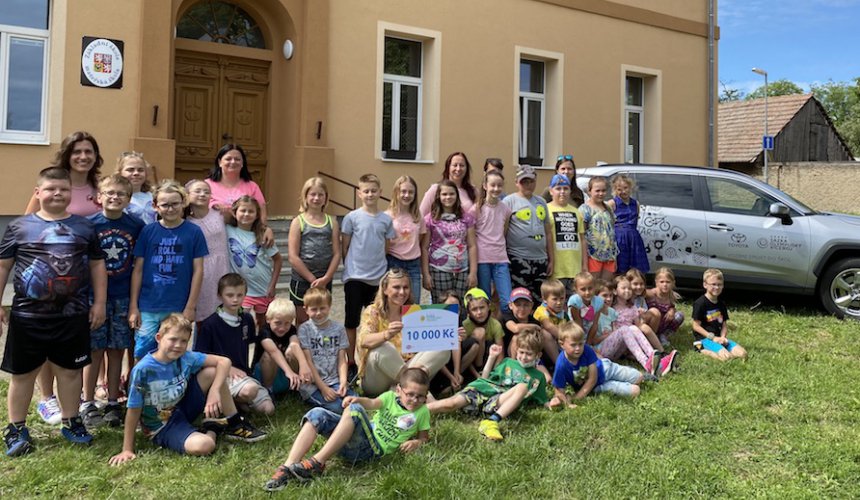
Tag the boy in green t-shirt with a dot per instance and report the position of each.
(502, 390)
(401, 422)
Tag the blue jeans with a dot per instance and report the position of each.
(362, 446)
(619, 379)
(413, 269)
(316, 399)
(144, 337)
(499, 274)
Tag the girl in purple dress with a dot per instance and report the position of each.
(631, 248)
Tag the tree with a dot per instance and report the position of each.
(841, 100)
(730, 93)
(779, 87)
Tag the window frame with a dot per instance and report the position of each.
(524, 98)
(639, 112)
(397, 82)
(7, 32)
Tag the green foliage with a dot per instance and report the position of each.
(776, 88)
(729, 94)
(842, 102)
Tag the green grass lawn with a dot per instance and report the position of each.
(782, 424)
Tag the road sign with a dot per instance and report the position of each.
(767, 142)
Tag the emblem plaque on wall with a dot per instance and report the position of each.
(101, 62)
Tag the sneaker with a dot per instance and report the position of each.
(112, 415)
(76, 432)
(280, 478)
(667, 363)
(305, 470)
(652, 364)
(91, 415)
(17, 441)
(490, 429)
(246, 432)
(49, 410)
(216, 425)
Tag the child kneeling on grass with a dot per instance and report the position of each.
(402, 422)
(502, 390)
(170, 387)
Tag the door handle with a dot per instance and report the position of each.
(721, 227)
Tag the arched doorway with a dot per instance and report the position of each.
(221, 88)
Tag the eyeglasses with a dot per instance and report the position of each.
(169, 206)
(117, 194)
(565, 157)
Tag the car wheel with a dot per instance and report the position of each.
(839, 289)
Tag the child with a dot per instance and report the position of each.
(450, 376)
(450, 258)
(363, 267)
(663, 317)
(710, 318)
(584, 306)
(170, 387)
(402, 422)
(491, 225)
(638, 286)
(481, 331)
(117, 231)
(278, 355)
(228, 332)
(568, 231)
(135, 168)
(599, 230)
(216, 263)
(630, 327)
(56, 259)
(578, 367)
(551, 314)
(324, 343)
(168, 268)
(519, 320)
(314, 245)
(631, 248)
(404, 252)
(260, 266)
(503, 389)
(530, 251)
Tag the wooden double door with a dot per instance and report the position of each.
(218, 100)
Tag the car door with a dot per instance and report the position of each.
(672, 223)
(747, 243)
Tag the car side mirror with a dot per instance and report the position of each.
(781, 210)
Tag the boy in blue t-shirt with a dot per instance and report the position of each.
(57, 264)
(117, 231)
(170, 387)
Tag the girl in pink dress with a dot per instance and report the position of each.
(215, 265)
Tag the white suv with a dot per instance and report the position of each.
(692, 218)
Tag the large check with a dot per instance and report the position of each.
(430, 327)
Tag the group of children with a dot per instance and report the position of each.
(88, 290)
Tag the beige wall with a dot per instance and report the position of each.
(822, 186)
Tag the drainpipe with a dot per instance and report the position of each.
(711, 74)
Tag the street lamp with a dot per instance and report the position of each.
(763, 73)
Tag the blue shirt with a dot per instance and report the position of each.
(117, 238)
(575, 374)
(168, 265)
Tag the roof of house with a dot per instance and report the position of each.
(741, 125)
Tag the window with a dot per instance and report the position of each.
(401, 99)
(731, 197)
(665, 190)
(634, 111)
(23, 70)
(220, 22)
(532, 111)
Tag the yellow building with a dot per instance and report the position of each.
(352, 86)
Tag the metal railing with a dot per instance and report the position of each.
(354, 192)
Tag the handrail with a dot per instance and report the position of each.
(353, 186)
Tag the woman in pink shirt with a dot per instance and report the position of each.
(79, 154)
(459, 171)
(230, 179)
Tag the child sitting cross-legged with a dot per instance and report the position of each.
(500, 391)
(402, 422)
(170, 387)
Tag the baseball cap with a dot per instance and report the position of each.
(559, 180)
(474, 293)
(521, 293)
(525, 172)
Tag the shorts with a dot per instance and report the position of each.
(595, 266)
(357, 295)
(63, 341)
(444, 281)
(281, 384)
(477, 402)
(115, 332)
(178, 427)
(618, 379)
(336, 406)
(362, 446)
(144, 337)
(236, 385)
(714, 347)
(259, 304)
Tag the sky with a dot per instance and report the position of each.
(805, 41)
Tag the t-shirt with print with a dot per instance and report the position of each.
(568, 373)
(224, 196)
(364, 261)
(599, 233)
(324, 344)
(509, 335)
(158, 387)
(407, 245)
(490, 233)
(604, 323)
(566, 223)
(711, 315)
(250, 259)
(393, 424)
(510, 373)
(449, 249)
(117, 238)
(168, 265)
(586, 312)
(526, 230)
(141, 207)
(492, 329)
(231, 340)
(51, 273)
(543, 312)
(282, 342)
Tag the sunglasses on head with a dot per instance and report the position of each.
(565, 157)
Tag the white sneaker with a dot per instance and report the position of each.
(49, 410)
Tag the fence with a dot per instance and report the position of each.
(822, 186)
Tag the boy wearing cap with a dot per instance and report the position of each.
(529, 250)
(567, 233)
(481, 331)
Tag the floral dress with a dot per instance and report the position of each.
(599, 233)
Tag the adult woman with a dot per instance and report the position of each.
(459, 171)
(565, 165)
(379, 338)
(79, 154)
(230, 178)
